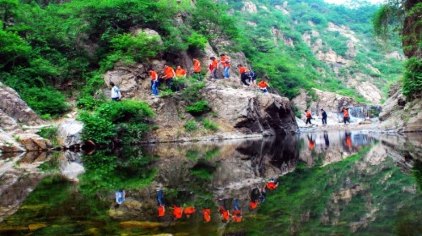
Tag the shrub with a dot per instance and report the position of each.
(45, 100)
(97, 129)
(197, 41)
(209, 125)
(89, 103)
(49, 133)
(125, 111)
(198, 108)
(191, 126)
(412, 79)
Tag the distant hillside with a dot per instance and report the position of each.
(310, 44)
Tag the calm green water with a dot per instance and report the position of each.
(336, 183)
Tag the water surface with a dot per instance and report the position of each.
(335, 183)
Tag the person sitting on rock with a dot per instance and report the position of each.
(180, 72)
(116, 95)
(154, 81)
(225, 62)
(169, 75)
(213, 67)
(243, 71)
(308, 115)
(254, 198)
(263, 86)
(237, 211)
(197, 69)
(160, 202)
(224, 214)
(188, 211)
(206, 215)
(177, 212)
(272, 184)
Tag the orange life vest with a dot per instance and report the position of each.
(196, 66)
(214, 64)
(262, 84)
(253, 205)
(308, 114)
(153, 75)
(180, 72)
(206, 215)
(168, 72)
(346, 113)
(271, 186)
(225, 61)
(189, 210)
(161, 211)
(237, 218)
(177, 212)
(242, 70)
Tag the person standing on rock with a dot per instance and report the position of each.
(197, 69)
(308, 115)
(225, 62)
(180, 72)
(154, 81)
(243, 71)
(120, 196)
(169, 75)
(324, 117)
(213, 67)
(116, 95)
(346, 116)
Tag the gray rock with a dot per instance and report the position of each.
(69, 133)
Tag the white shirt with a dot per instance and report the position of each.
(115, 92)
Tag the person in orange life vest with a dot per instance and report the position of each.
(188, 211)
(263, 86)
(213, 67)
(169, 75)
(206, 215)
(237, 211)
(225, 61)
(224, 214)
(161, 211)
(154, 81)
(272, 184)
(177, 212)
(254, 198)
(160, 202)
(311, 143)
(197, 69)
(180, 72)
(243, 74)
(308, 115)
(346, 116)
(348, 140)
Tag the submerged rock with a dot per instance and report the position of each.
(139, 224)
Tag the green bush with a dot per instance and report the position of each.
(49, 133)
(412, 79)
(89, 103)
(197, 41)
(191, 126)
(198, 108)
(125, 111)
(97, 129)
(45, 100)
(209, 125)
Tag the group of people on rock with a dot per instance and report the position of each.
(169, 74)
(257, 197)
(344, 111)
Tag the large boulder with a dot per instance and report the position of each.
(251, 111)
(69, 133)
(12, 105)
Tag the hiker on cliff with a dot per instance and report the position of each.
(169, 75)
(308, 115)
(346, 116)
(206, 215)
(197, 69)
(237, 211)
(324, 117)
(272, 184)
(180, 72)
(213, 67)
(120, 196)
(263, 86)
(225, 62)
(116, 95)
(154, 81)
(244, 77)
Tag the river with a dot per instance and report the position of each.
(330, 183)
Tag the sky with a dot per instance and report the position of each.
(344, 1)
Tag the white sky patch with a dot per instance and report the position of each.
(339, 2)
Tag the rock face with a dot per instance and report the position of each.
(69, 133)
(250, 111)
(400, 115)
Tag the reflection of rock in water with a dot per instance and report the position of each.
(71, 165)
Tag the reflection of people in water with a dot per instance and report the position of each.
(237, 211)
(311, 142)
(327, 141)
(120, 196)
(348, 139)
